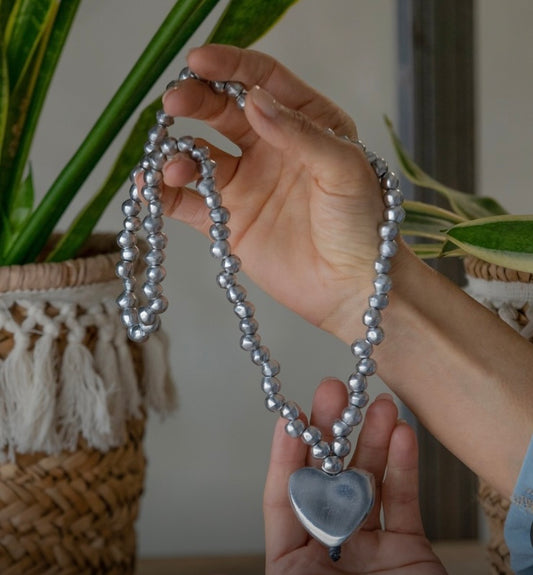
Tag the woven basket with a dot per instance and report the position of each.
(508, 293)
(72, 413)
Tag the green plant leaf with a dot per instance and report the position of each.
(4, 96)
(465, 205)
(28, 21)
(428, 250)
(182, 21)
(81, 228)
(245, 21)
(427, 221)
(503, 240)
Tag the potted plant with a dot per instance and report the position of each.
(497, 250)
(73, 393)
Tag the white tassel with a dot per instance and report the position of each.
(160, 391)
(82, 403)
(106, 363)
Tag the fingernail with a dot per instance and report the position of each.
(386, 396)
(264, 101)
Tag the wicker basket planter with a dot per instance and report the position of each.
(73, 399)
(509, 294)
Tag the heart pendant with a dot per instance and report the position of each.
(331, 507)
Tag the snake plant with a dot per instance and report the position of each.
(33, 34)
(472, 225)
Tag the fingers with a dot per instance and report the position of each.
(400, 489)
(216, 62)
(283, 532)
(373, 447)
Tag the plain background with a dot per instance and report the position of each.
(207, 462)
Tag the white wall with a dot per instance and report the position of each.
(207, 462)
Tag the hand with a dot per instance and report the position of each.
(305, 204)
(384, 445)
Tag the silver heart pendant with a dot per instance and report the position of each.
(331, 507)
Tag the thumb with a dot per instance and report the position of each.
(294, 133)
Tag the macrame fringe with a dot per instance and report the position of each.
(71, 374)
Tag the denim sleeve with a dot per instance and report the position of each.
(518, 529)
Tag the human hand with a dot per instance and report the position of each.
(305, 204)
(387, 449)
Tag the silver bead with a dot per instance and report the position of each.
(357, 382)
(163, 118)
(320, 450)
(352, 416)
(361, 348)
(150, 147)
(129, 254)
(372, 317)
(290, 410)
(341, 446)
(270, 385)
(200, 153)
(217, 86)
(134, 191)
(388, 230)
(382, 265)
(241, 100)
(295, 428)
(341, 428)
(233, 89)
(173, 84)
(219, 232)
(393, 198)
(390, 181)
(185, 74)
(207, 168)
(155, 208)
(152, 224)
(366, 366)
(382, 284)
(145, 163)
(126, 300)
(375, 335)
(219, 215)
(380, 167)
(250, 342)
(396, 214)
(155, 274)
(152, 327)
(124, 269)
(157, 161)
(312, 435)
(236, 293)
(129, 317)
(131, 208)
(137, 334)
(248, 325)
(388, 248)
(244, 309)
(132, 223)
(226, 280)
(270, 368)
(260, 355)
(378, 301)
(152, 290)
(359, 399)
(129, 284)
(134, 173)
(206, 186)
(274, 401)
(370, 156)
(213, 201)
(150, 193)
(185, 143)
(126, 239)
(332, 465)
(147, 316)
(157, 134)
(220, 249)
(169, 146)
(154, 257)
(157, 241)
(231, 264)
(159, 304)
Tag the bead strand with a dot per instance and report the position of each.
(141, 321)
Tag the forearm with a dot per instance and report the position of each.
(462, 371)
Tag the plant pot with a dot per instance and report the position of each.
(73, 399)
(508, 293)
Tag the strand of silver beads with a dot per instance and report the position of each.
(141, 321)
